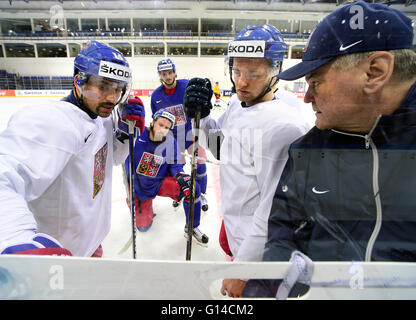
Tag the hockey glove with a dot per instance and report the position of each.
(132, 111)
(198, 94)
(40, 244)
(184, 181)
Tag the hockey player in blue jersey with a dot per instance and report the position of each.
(159, 172)
(170, 96)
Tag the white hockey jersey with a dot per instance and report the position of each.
(253, 155)
(56, 176)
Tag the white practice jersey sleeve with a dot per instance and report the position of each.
(55, 176)
(211, 136)
(267, 168)
(253, 155)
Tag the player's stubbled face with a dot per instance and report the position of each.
(251, 78)
(167, 77)
(101, 95)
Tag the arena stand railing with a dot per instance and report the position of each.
(12, 81)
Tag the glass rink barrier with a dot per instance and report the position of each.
(52, 277)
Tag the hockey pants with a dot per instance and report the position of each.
(171, 189)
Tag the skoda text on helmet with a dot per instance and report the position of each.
(100, 60)
(258, 42)
(166, 64)
(165, 113)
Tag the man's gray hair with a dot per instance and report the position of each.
(404, 62)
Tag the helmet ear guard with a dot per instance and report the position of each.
(81, 78)
(77, 77)
(77, 80)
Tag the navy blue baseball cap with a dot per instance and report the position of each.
(356, 27)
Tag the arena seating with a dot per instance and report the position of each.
(12, 81)
(219, 33)
(141, 33)
(7, 80)
(178, 33)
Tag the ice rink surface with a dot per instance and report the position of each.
(165, 239)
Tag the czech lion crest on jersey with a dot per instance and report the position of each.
(100, 160)
(149, 164)
(179, 114)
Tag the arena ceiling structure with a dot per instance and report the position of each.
(309, 10)
(228, 5)
(154, 28)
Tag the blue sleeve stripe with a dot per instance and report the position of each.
(19, 248)
(47, 243)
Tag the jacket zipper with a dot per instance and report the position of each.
(377, 199)
(379, 214)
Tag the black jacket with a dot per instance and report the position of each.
(347, 196)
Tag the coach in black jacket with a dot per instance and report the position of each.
(348, 191)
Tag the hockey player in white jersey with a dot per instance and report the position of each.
(56, 161)
(254, 133)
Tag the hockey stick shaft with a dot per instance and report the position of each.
(131, 182)
(226, 102)
(127, 186)
(193, 186)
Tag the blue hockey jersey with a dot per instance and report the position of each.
(153, 162)
(174, 102)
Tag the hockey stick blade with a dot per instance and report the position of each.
(126, 246)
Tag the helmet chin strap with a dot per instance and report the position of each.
(266, 91)
(79, 97)
(165, 84)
